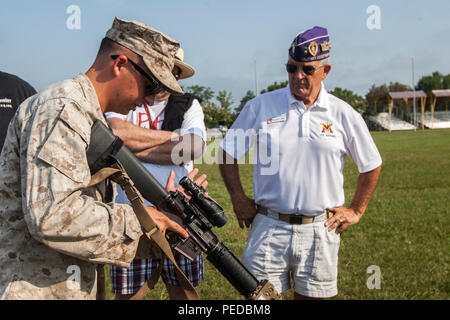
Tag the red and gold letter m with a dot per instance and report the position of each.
(327, 128)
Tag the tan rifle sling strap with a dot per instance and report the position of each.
(118, 175)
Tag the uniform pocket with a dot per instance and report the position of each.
(65, 150)
(325, 253)
(258, 238)
(255, 231)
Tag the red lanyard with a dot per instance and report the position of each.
(153, 124)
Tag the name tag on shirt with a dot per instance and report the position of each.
(280, 118)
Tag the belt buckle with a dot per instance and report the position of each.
(301, 219)
(295, 219)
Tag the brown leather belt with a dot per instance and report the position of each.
(293, 218)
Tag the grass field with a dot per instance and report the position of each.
(405, 230)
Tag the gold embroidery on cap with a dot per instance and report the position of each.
(313, 48)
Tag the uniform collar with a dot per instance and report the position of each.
(322, 100)
(94, 111)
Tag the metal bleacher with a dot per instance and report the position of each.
(382, 120)
(440, 119)
(400, 117)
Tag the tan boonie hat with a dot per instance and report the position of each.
(156, 49)
(186, 70)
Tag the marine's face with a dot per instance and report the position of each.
(305, 86)
(135, 84)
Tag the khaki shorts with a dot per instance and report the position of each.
(277, 250)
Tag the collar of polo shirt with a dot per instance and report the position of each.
(322, 100)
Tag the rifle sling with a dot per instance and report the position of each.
(118, 175)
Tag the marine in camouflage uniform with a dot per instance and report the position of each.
(51, 224)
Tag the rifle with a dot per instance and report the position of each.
(197, 214)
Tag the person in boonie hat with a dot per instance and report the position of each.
(308, 65)
(297, 213)
(184, 70)
(181, 70)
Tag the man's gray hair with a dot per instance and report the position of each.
(323, 62)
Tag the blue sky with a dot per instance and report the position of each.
(222, 39)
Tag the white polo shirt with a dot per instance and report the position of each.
(300, 153)
(193, 123)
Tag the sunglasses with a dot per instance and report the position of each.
(151, 89)
(307, 69)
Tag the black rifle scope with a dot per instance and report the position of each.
(213, 212)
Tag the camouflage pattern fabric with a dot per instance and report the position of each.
(51, 224)
(156, 49)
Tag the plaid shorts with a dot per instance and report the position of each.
(129, 281)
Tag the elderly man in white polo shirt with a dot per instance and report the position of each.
(301, 135)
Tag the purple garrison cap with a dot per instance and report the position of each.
(311, 45)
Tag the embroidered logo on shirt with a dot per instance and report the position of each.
(327, 130)
(281, 118)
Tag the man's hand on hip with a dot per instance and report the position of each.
(342, 218)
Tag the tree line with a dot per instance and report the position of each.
(217, 107)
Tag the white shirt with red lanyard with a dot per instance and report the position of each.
(152, 117)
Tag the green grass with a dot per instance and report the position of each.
(405, 230)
